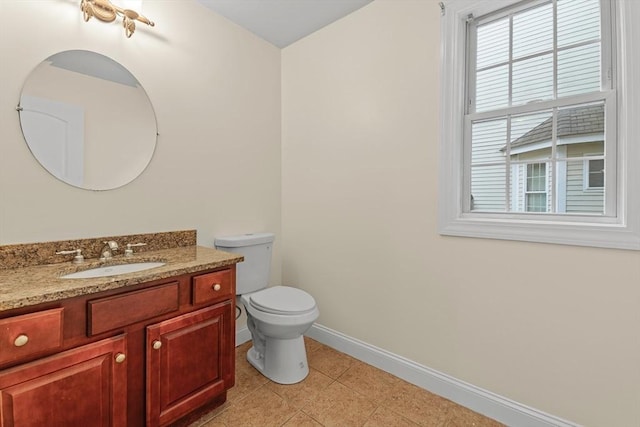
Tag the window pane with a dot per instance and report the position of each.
(578, 198)
(493, 43)
(492, 88)
(578, 21)
(536, 177)
(488, 183)
(596, 173)
(581, 138)
(531, 135)
(488, 192)
(537, 202)
(579, 70)
(579, 125)
(533, 79)
(533, 31)
(488, 141)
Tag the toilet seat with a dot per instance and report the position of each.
(282, 300)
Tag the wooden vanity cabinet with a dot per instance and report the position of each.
(181, 373)
(85, 386)
(152, 355)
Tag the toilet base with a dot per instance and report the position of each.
(284, 360)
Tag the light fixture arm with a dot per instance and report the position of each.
(106, 11)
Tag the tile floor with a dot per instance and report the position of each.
(340, 391)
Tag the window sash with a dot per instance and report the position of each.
(607, 76)
(611, 185)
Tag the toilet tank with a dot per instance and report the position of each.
(253, 273)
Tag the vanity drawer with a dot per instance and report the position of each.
(212, 286)
(106, 314)
(29, 334)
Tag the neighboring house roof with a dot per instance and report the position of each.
(571, 122)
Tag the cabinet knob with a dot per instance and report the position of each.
(217, 287)
(21, 340)
(120, 357)
(157, 344)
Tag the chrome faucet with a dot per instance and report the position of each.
(107, 251)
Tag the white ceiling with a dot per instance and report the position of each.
(282, 22)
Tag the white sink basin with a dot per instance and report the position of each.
(113, 270)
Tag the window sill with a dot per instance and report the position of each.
(573, 233)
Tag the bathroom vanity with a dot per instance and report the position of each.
(154, 347)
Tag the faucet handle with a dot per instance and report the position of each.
(129, 251)
(78, 259)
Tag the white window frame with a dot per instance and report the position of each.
(619, 231)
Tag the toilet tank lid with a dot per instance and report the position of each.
(244, 240)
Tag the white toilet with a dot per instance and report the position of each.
(276, 316)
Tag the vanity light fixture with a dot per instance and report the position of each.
(106, 11)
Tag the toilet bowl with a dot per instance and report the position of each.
(277, 316)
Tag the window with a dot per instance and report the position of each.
(535, 138)
(594, 178)
(538, 88)
(536, 193)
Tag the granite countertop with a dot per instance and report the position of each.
(26, 286)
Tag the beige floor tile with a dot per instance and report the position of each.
(302, 420)
(247, 381)
(241, 356)
(329, 361)
(244, 347)
(340, 391)
(262, 408)
(338, 406)
(459, 416)
(300, 394)
(385, 417)
(212, 423)
(210, 415)
(311, 345)
(368, 381)
(418, 405)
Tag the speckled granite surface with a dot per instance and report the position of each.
(29, 254)
(31, 285)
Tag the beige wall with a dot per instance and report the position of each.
(216, 92)
(553, 327)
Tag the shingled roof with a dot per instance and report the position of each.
(571, 122)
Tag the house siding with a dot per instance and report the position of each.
(580, 199)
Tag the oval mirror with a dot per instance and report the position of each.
(87, 120)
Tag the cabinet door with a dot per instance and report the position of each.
(85, 387)
(190, 361)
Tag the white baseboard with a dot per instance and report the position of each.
(482, 401)
(242, 336)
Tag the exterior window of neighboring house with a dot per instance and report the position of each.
(536, 193)
(532, 139)
(594, 178)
